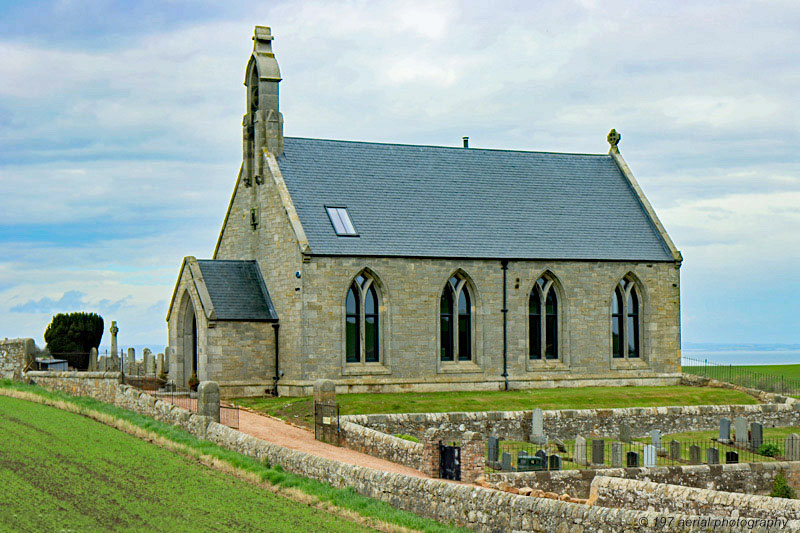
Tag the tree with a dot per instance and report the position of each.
(73, 336)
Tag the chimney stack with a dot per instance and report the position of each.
(466, 141)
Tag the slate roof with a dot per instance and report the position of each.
(237, 290)
(428, 201)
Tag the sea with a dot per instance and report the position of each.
(742, 354)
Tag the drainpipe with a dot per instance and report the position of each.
(276, 327)
(504, 266)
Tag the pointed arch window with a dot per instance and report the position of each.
(455, 320)
(543, 320)
(362, 321)
(625, 323)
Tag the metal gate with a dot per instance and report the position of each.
(449, 462)
(326, 422)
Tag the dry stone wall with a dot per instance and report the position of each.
(745, 478)
(99, 385)
(645, 495)
(381, 445)
(569, 423)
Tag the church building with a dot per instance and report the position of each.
(392, 267)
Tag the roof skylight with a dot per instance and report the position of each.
(340, 219)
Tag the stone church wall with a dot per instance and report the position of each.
(410, 292)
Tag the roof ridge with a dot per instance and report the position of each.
(471, 148)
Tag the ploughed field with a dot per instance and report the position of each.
(299, 410)
(62, 471)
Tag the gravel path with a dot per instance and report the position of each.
(279, 432)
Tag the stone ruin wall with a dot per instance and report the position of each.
(570, 423)
(98, 385)
(13, 355)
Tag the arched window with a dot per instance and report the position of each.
(362, 321)
(543, 319)
(455, 320)
(625, 338)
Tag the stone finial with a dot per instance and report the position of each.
(613, 139)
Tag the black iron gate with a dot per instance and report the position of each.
(449, 462)
(326, 422)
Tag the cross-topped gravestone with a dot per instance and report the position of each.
(598, 452)
(649, 456)
(632, 460)
(694, 454)
(624, 433)
(792, 447)
(580, 450)
(756, 435)
(616, 454)
(724, 430)
(674, 450)
(740, 430)
(113, 330)
(712, 456)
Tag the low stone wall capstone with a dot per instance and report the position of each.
(98, 385)
(569, 423)
(636, 494)
(13, 355)
(377, 444)
(746, 478)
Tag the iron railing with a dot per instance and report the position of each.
(513, 456)
(741, 375)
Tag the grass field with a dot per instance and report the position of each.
(786, 371)
(62, 471)
(299, 410)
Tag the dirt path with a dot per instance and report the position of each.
(278, 432)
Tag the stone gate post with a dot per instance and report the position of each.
(208, 399)
(430, 452)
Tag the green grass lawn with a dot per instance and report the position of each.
(62, 471)
(299, 410)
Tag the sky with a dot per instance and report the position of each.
(120, 131)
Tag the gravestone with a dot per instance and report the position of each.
(493, 449)
(756, 435)
(724, 430)
(655, 439)
(93, 360)
(159, 364)
(521, 453)
(598, 452)
(712, 456)
(616, 454)
(632, 460)
(740, 430)
(649, 456)
(554, 462)
(167, 351)
(694, 454)
(624, 433)
(506, 462)
(731, 457)
(541, 454)
(674, 450)
(580, 450)
(131, 361)
(537, 427)
(149, 361)
(792, 447)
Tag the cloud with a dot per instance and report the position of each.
(70, 300)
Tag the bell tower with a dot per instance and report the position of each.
(262, 126)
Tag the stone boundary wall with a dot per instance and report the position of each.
(99, 385)
(381, 445)
(621, 493)
(465, 505)
(569, 423)
(13, 355)
(693, 380)
(746, 478)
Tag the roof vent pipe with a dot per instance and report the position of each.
(466, 141)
